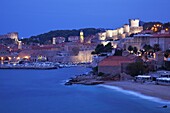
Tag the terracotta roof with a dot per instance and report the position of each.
(115, 61)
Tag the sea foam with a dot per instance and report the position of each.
(150, 98)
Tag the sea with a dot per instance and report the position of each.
(43, 91)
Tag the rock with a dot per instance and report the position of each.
(93, 82)
(165, 106)
(68, 83)
(85, 80)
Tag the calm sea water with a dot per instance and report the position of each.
(42, 91)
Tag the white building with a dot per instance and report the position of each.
(134, 22)
(120, 30)
(126, 28)
(102, 36)
(54, 40)
(109, 33)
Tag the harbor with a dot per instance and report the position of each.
(40, 65)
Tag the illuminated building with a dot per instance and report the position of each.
(81, 37)
(19, 44)
(122, 32)
(54, 40)
(138, 41)
(12, 35)
(126, 28)
(134, 22)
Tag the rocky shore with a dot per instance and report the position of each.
(91, 79)
(153, 90)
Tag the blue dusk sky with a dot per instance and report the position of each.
(33, 17)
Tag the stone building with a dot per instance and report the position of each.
(114, 64)
(12, 35)
(122, 32)
(162, 39)
(138, 41)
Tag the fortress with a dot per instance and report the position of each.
(119, 33)
(12, 35)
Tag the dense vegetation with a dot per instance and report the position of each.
(7, 41)
(150, 25)
(137, 68)
(167, 65)
(103, 49)
(167, 53)
(118, 52)
(47, 37)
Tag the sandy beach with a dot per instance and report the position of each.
(159, 91)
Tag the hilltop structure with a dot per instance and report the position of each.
(12, 35)
(120, 33)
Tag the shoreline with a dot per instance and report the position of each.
(158, 92)
(28, 68)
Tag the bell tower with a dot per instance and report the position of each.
(81, 37)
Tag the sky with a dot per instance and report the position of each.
(33, 17)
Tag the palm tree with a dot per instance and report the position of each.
(156, 47)
(167, 53)
(130, 48)
(135, 50)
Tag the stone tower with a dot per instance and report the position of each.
(81, 37)
(54, 40)
(19, 44)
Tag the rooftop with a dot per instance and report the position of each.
(115, 61)
(160, 36)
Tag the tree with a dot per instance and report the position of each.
(156, 47)
(7, 41)
(93, 52)
(44, 38)
(167, 65)
(136, 68)
(166, 25)
(167, 53)
(99, 48)
(118, 52)
(135, 50)
(150, 25)
(142, 51)
(95, 70)
(130, 48)
(147, 47)
(108, 47)
(131, 35)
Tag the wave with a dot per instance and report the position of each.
(150, 98)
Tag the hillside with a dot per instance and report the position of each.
(46, 38)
